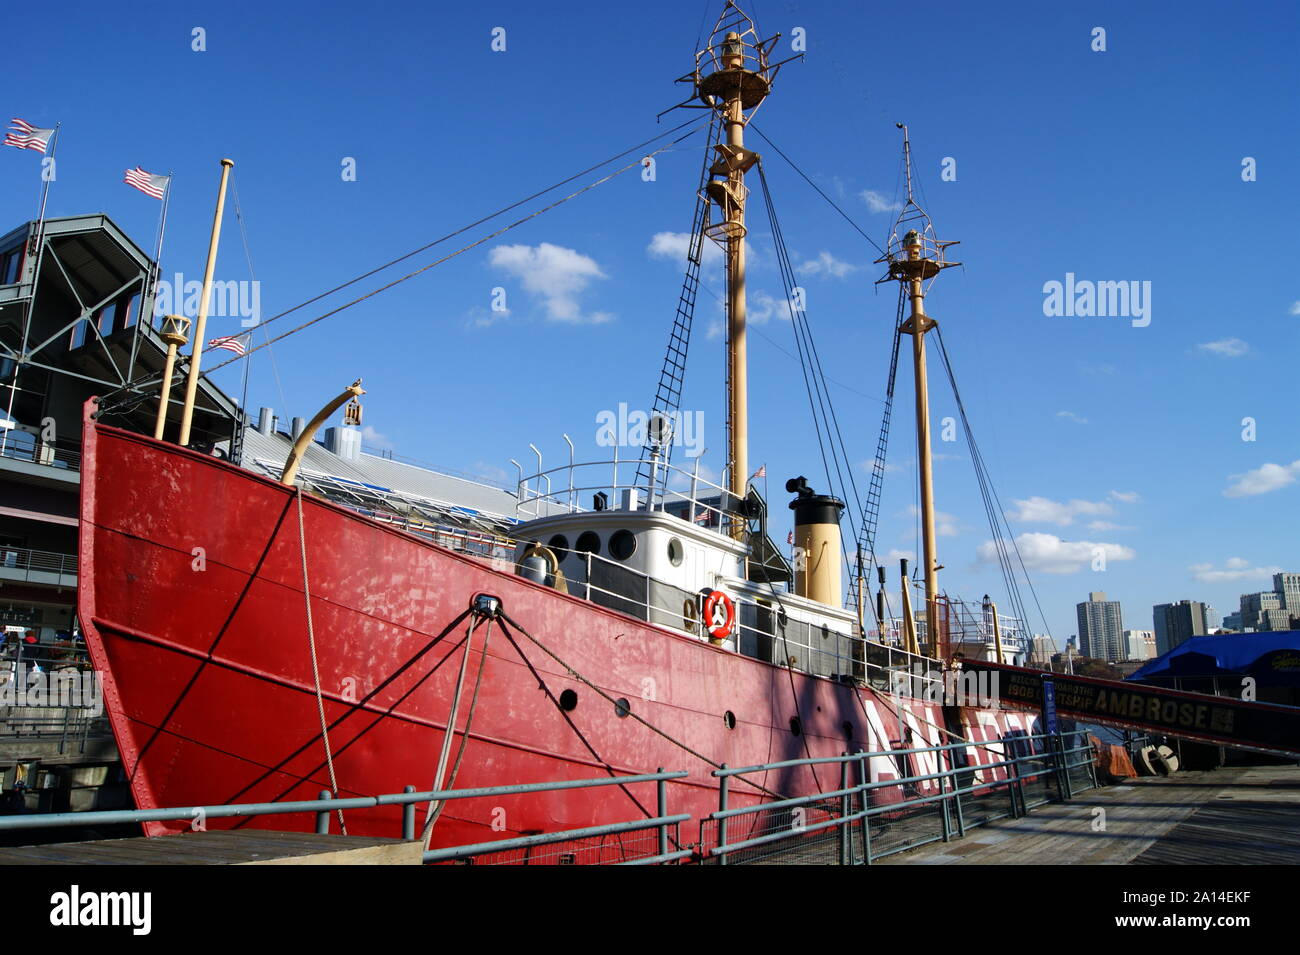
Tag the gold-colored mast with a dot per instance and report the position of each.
(732, 77)
(196, 354)
(175, 332)
(914, 260)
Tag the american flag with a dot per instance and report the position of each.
(760, 473)
(146, 182)
(234, 343)
(24, 135)
(702, 517)
(789, 538)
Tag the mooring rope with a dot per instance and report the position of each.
(644, 722)
(434, 809)
(315, 665)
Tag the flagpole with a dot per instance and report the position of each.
(36, 277)
(241, 422)
(148, 295)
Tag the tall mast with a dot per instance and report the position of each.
(732, 77)
(914, 260)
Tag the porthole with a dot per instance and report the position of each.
(729, 720)
(622, 544)
(675, 552)
(826, 632)
(568, 701)
(560, 544)
(796, 727)
(588, 543)
(622, 707)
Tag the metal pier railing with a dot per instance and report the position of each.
(856, 823)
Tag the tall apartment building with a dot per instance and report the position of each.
(1287, 586)
(1101, 628)
(1139, 644)
(1255, 608)
(1178, 622)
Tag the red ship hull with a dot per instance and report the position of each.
(192, 603)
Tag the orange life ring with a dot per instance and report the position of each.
(719, 614)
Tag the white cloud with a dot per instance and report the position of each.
(675, 245)
(480, 317)
(1226, 347)
(681, 480)
(1295, 309)
(1236, 568)
(556, 275)
(895, 555)
(1051, 555)
(826, 264)
(1268, 477)
(945, 525)
(1128, 497)
(1105, 368)
(762, 307)
(1107, 526)
(1042, 510)
(493, 475)
(877, 201)
(1071, 416)
(376, 440)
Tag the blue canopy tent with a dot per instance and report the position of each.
(1272, 658)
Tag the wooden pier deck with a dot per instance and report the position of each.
(222, 847)
(1237, 815)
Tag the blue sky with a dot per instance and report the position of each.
(1122, 165)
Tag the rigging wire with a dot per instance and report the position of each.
(814, 374)
(847, 218)
(994, 510)
(451, 255)
(695, 124)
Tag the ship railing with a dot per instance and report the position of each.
(666, 847)
(670, 489)
(862, 821)
(476, 543)
(15, 561)
(801, 645)
(971, 625)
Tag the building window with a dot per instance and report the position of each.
(10, 264)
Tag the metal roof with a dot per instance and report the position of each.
(373, 483)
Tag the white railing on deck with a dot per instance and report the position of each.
(559, 490)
